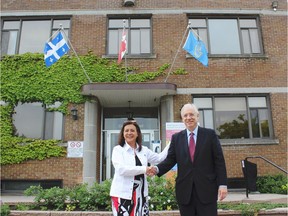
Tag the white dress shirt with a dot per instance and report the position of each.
(123, 159)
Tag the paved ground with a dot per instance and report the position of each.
(232, 197)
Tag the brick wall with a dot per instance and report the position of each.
(143, 4)
(67, 169)
(88, 33)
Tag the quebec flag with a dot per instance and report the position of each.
(196, 48)
(55, 49)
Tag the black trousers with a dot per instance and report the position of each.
(196, 208)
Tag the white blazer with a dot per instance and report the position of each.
(123, 160)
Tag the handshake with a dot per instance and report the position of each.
(151, 170)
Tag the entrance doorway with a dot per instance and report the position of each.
(110, 138)
(113, 119)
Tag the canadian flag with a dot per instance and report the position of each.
(123, 47)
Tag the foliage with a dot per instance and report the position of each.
(22, 207)
(273, 184)
(80, 197)
(16, 149)
(180, 71)
(5, 210)
(6, 125)
(162, 193)
(52, 198)
(25, 78)
(96, 198)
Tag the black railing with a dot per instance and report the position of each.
(250, 169)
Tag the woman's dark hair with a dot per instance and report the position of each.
(121, 139)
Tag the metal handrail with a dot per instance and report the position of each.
(270, 162)
(265, 159)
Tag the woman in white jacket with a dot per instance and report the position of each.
(129, 189)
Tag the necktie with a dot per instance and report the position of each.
(192, 146)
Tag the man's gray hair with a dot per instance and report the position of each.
(189, 105)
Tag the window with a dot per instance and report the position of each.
(233, 36)
(235, 117)
(138, 36)
(21, 36)
(42, 123)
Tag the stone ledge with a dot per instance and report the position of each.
(272, 212)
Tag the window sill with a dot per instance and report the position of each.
(152, 56)
(259, 56)
(226, 142)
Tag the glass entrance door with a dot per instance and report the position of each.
(110, 138)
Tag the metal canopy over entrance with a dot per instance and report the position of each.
(118, 94)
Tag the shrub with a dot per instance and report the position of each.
(162, 193)
(53, 198)
(80, 197)
(272, 184)
(5, 210)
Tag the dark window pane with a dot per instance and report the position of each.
(139, 40)
(116, 23)
(257, 102)
(224, 37)
(255, 123)
(64, 23)
(140, 23)
(248, 23)
(198, 23)
(260, 123)
(49, 121)
(135, 42)
(9, 41)
(255, 41)
(201, 118)
(114, 37)
(246, 41)
(8, 25)
(264, 123)
(34, 34)
(145, 41)
(231, 119)
(208, 119)
(203, 102)
(203, 36)
(32, 113)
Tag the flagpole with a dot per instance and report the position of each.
(53, 35)
(177, 52)
(126, 76)
(62, 29)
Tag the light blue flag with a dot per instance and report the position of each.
(196, 48)
(55, 49)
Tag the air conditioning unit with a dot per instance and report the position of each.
(129, 3)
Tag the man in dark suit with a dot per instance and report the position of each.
(200, 179)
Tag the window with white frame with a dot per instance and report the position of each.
(27, 35)
(138, 36)
(33, 120)
(229, 36)
(235, 117)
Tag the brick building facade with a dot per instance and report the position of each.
(245, 75)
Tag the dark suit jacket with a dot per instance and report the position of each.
(207, 172)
